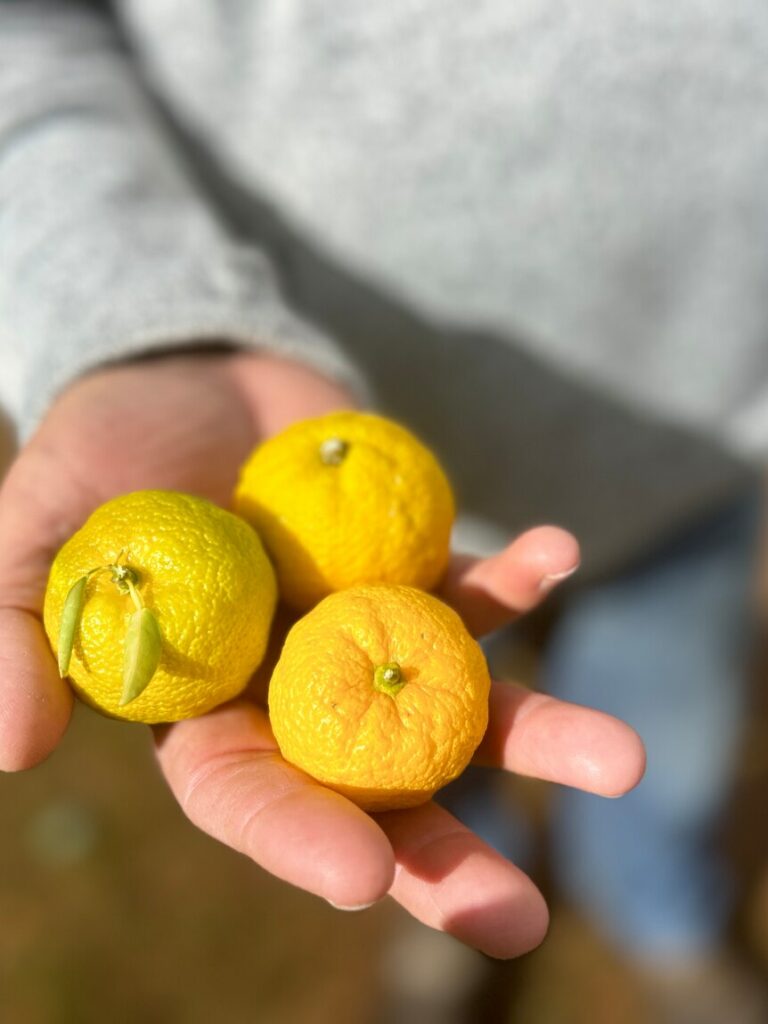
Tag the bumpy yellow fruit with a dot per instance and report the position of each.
(346, 499)
(175, 573)
(380, 693)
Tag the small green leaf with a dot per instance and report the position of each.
(70, 622)
(143, 647)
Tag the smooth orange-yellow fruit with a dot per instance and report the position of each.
(346, 499)
(199, 571)
(381, 694)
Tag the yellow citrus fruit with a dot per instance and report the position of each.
(380, 693)
(207, 590)
(346, 499)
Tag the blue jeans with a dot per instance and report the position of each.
(663, 647)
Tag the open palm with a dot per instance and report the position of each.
(187, 422)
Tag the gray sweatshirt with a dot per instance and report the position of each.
(536, 231)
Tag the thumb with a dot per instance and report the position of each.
(38, 511)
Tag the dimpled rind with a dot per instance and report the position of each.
(381, 751)
(380, 513)
(204, 574)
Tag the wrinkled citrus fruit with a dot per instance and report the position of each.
(346, 499)
(380, 693)
(160, 606)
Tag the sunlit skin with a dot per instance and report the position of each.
(187, 422)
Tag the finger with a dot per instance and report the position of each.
(537, 735)
(490, 592)
(41, 505)
(36, 514)
(226, 772)
(449, 879)
(35, 704)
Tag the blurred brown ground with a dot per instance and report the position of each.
(114, 908)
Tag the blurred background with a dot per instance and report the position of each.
(113, 907)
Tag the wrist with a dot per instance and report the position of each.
(281, 391)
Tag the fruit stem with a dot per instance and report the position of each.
(388, 679)
(123, 576)
(333, 451)
(134, 594)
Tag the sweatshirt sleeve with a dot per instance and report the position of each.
(107, 250)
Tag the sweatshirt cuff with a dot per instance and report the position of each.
(239, 304)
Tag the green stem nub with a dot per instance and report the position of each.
(123, 576)
(388, 679)
(333, 451)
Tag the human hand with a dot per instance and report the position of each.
(187, 422)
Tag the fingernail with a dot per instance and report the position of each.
(546, 583)
(360, 906)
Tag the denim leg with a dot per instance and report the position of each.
(477, 798)
(664, 647)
